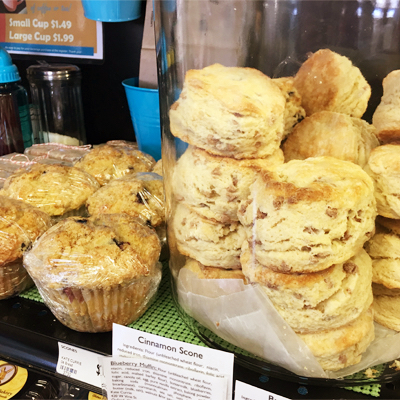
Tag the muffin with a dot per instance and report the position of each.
(327, 133)
(139, 195)
(229, 111)
(93, 272)
(307, 215)
(213, 186)
(20, 225)
(56, 189)
(107, 162)
(328, 81)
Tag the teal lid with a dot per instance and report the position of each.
(8, 71)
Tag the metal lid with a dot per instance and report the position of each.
(50, 72)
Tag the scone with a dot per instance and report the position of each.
(307, 215)
(20, 225)
(93, 272)
(56, 189)
(387, 311)
(107, 162)
(229, 111)
(327, 133)
(203, 272)
(384, 168)
(328, 81)
(294, 112)
(213, 186)
(338, 348)
(352, 299)
(158, 167)
(386, 117)
(139, 195)
(209, 242)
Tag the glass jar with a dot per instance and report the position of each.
(275, 38)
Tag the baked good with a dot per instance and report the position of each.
(107, 162)
(387, 311)
(338, 348)
(213, 186)
(209, 242)
(229, 111)
(307, 215)
(384, 249)
(158, 167)
(382, 290)
(384, 168)
(329, 81)
(203, 272)
(13, 279)
(386, 117)
(345, 305)
(139, 195)
(93, 272)
(294, 112)
(327, 133)
(56, 189)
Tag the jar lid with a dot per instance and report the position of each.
(50, 72)
(8, 71)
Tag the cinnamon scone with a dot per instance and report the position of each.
(229, 111)
(327, 133)
(307, 215)
(213, 186)
(328, 81)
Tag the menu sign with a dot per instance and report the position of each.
(56, 28)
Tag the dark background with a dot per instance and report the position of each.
(105, 106)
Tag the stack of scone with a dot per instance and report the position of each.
(20, 225)
(297, 229)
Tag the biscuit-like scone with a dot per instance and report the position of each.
(387, 311)
(338, 348)
(329, 81)
(294, 290)
(209, 242)
(107, 162)
(384, 168)
(294, 112)
(327, 133)
(20, 225)
(53, 188)
(384, 250)
(354, 297)
(93, 272)
(386, 117)
(229, 111)
(307, 215)
(139, 195)
(213, 186)
(381, 290)
(203, 272)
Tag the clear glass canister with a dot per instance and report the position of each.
(57, 103)
(269, 115)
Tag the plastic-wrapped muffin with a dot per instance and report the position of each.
(108, 161)
(58, 190)
(139, 195)
(20, 225)
(93, 272)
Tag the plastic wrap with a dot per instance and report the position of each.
(58, 151)
(20, 225)
(93, 272)
(56, 189)
(109, 161)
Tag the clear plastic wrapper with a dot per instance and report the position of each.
(20, 225)
(302, 217)
(93, 272)
(58, 151)
(57, 189)
(110, 161)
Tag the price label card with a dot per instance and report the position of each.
(203, 361)
(56, 28)
(136, 378)
(243, 391)
(79, 364)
